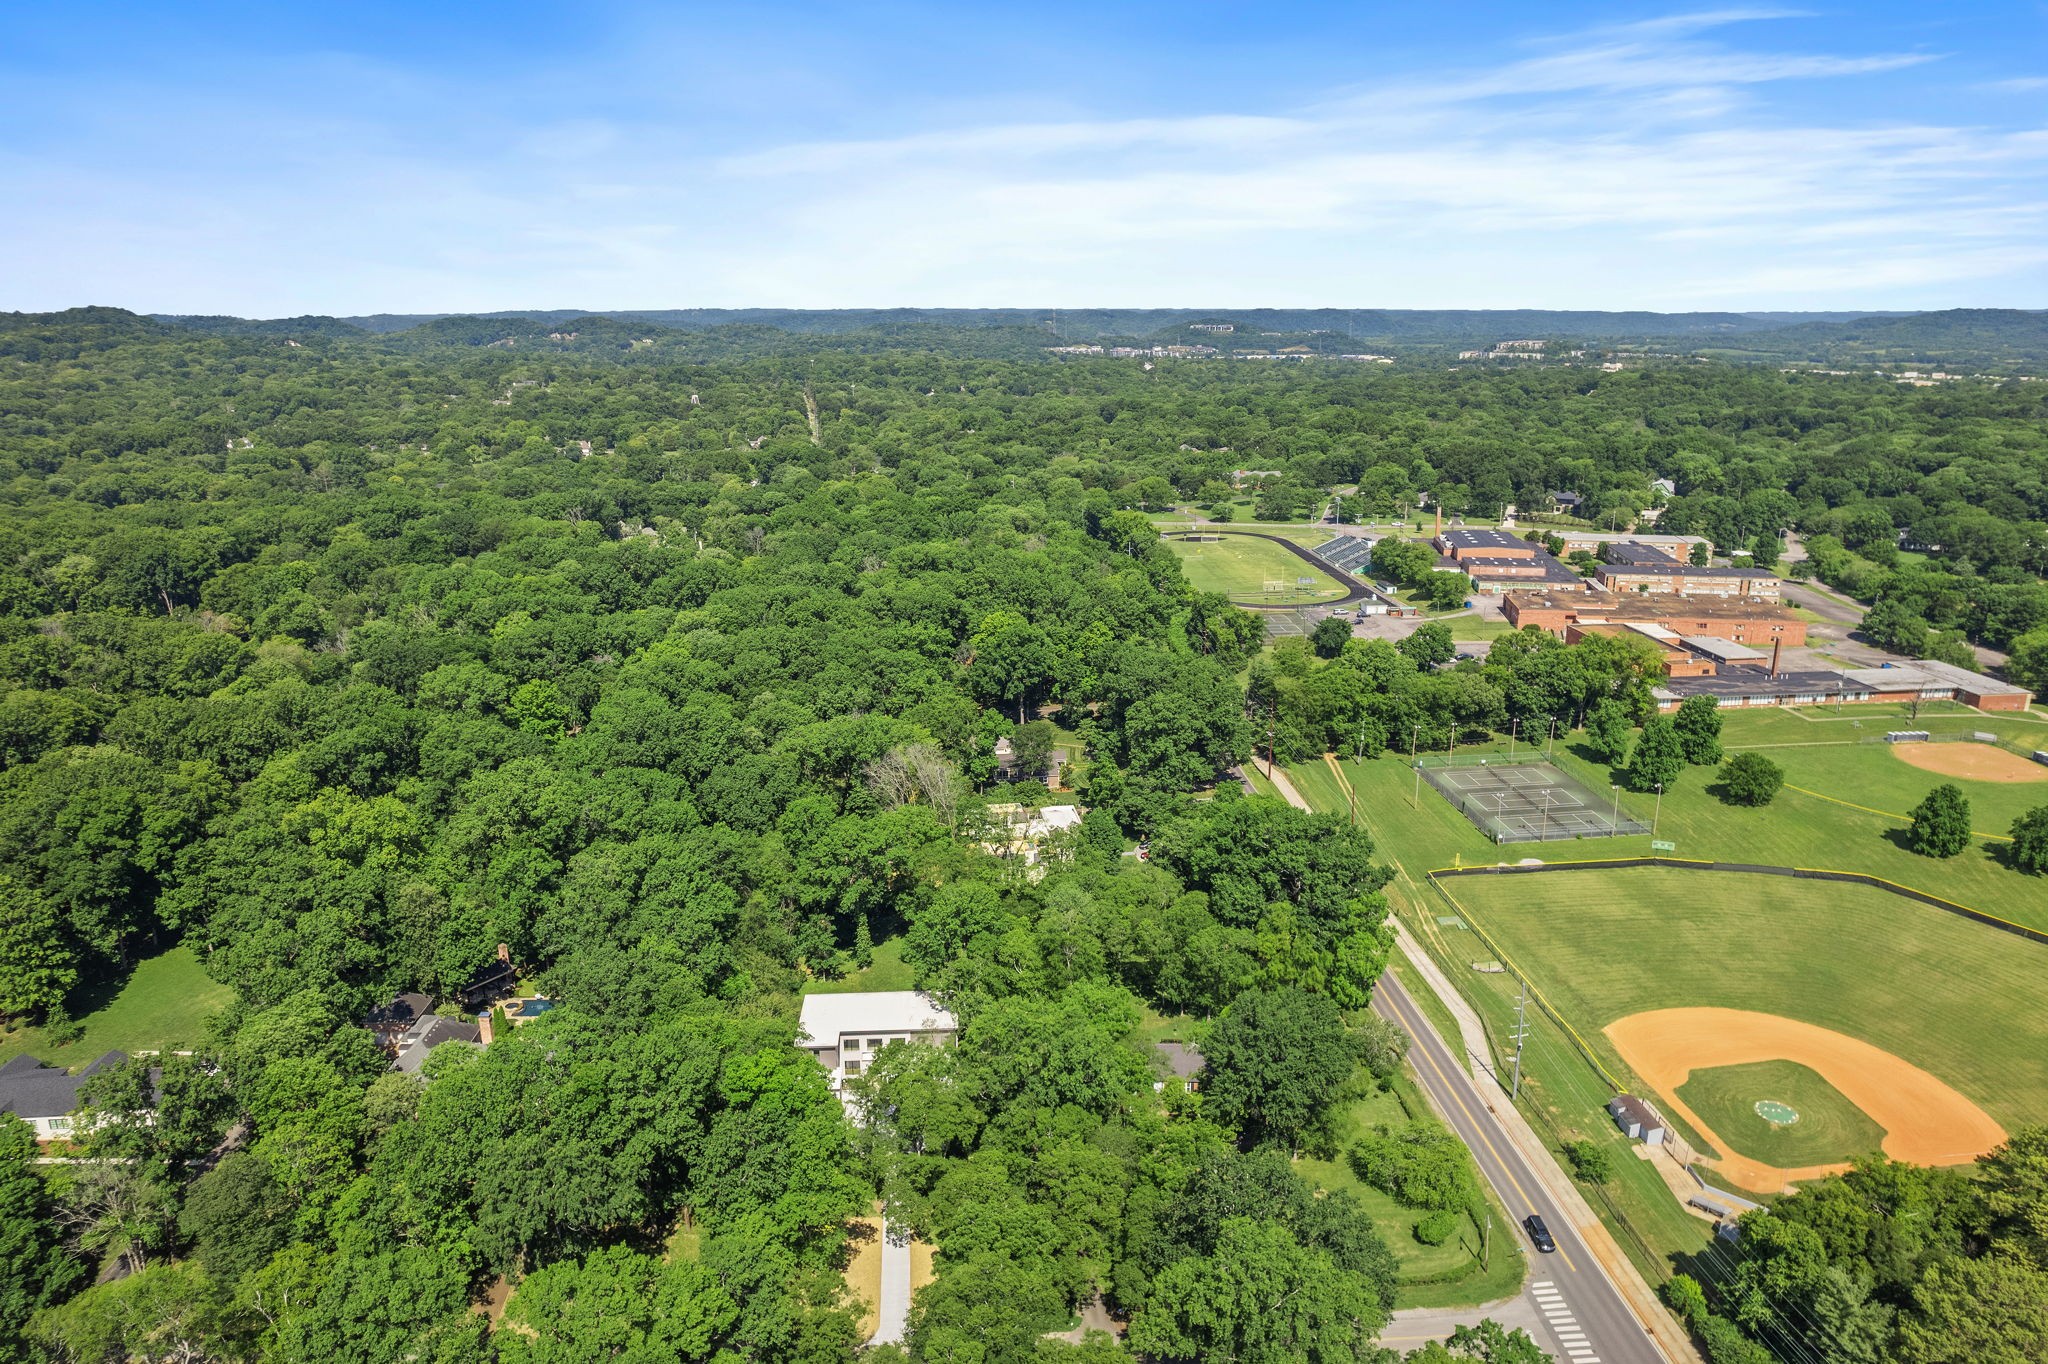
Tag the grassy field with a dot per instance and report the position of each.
(1934, 989)
(1474, 629)
(1829, 1129)
(1240, 566)
(1821, 752)
(1562, 1094)
(887, 972)
(162, 1006)
(1449, 1275)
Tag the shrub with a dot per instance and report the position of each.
(2030, 840)
(1437, 1228)
(1591, 1161)
(1751, 779)
(1698, 723)
(1941, 823)
(1420, 1165)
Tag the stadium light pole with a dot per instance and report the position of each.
(1615, 787)
(1659, 814)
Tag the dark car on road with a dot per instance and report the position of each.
(1539, 1233)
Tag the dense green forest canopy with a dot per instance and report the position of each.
(677, 664)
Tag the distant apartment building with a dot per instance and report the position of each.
(1213, 328)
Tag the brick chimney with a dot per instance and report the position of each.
(1777, 647)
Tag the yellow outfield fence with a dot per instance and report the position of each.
(1888, 814)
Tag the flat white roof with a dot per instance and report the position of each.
(1727, 650)
(1928, 672)
(827, 1018)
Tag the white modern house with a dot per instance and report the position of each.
(845, 1031)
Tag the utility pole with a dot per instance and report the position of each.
(1272, 721)
(1659, 814)
(1415, 761)
(1521, 1034)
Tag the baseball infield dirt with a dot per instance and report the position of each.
(1925, 1121)
(1973, 762)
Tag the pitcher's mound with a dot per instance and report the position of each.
(1972, 762)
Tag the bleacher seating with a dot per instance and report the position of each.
(1347, 553)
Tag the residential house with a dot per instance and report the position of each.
(389, 1021)
(428, 1033)
(46, 1097)
(844, 1031)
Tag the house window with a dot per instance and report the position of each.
(874, 1042)
(60, 1124)
(853, 1066)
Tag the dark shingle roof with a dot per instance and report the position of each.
(429, 1033)
(30, 1089)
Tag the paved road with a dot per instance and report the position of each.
(1585, 1319)
(1572, 1303)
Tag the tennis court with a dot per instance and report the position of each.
(1528, 802)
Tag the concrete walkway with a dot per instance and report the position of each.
(894, 1317)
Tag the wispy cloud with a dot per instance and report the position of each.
(1624, 141)
(1680, 160)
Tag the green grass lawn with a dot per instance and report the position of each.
(1240, 566)
(1562, 1094)
(1472, 629)
(1449, 1275)
(1820, 752)
(162, 1006)
(1829, 1128)
(887, 972)
(1939, 991)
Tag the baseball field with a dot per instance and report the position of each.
(1917, 1020)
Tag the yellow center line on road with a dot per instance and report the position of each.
(1479, 1128)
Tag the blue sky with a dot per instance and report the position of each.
(273, 159)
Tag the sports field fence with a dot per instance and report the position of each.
(1527, 802)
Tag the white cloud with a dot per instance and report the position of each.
(1640, 165)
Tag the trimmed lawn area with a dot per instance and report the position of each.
(1821, 752)
(1474, 629)
(1449, 1275)
(162, 1006)
(1240, 566)
(1828, 1128)
(888, 972)
(1934, 989)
